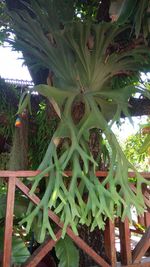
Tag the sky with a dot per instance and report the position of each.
(12, 67)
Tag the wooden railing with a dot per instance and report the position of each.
(129, 257)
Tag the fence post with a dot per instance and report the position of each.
(147, 219)
(125, 244)
(9, 222)
(109, 241)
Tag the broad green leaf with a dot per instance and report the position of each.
(2, 206)
(108, 108)
(142, 7)
(126, 10)
(21, 204)
(56, 108)
(24, 103)
(67, 253)
(118, 95)
(52, 92)
(146, 145)
(20, 252)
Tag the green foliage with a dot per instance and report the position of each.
(83, 65)
(42, 132)
(67, 253)
(146, 145)
(4, 23)
(86, 10)
(42, 127)
(4, 159)
(126, 11)
(132, 150)
(145, 148)
(136, 12)
(9, 97)
(21, 204)
(20, 252)
(85, 69)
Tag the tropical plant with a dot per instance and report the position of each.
(78, 54)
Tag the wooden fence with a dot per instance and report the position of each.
(129, 257)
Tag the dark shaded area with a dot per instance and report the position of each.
(4, 146)
(95, 240)
(15, 4)
(103, 11)
(139, 106)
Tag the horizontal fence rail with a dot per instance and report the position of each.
(129, 257)
(26, 174)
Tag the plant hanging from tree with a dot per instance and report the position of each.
(79, 55)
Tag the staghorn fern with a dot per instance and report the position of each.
(79, 56)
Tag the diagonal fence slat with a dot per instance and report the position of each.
(11, 175)
(141, 247)
(79, 242)
(42, 251)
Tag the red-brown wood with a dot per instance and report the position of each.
(141, 220)
(40, 253)
(141, 247)
(26, 174)
(109, 241)
(147, 219)
(146, 216)
(9, 222)
(125, 242)
(146, 193)
(98, 259)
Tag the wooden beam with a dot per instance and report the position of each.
(141, 247)
(109, 242)
(79, 242)
(141, 220)
(146, 193)
(125, 243)
(9, 222)
(147, 219)
(40, 253)
(26, 174)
